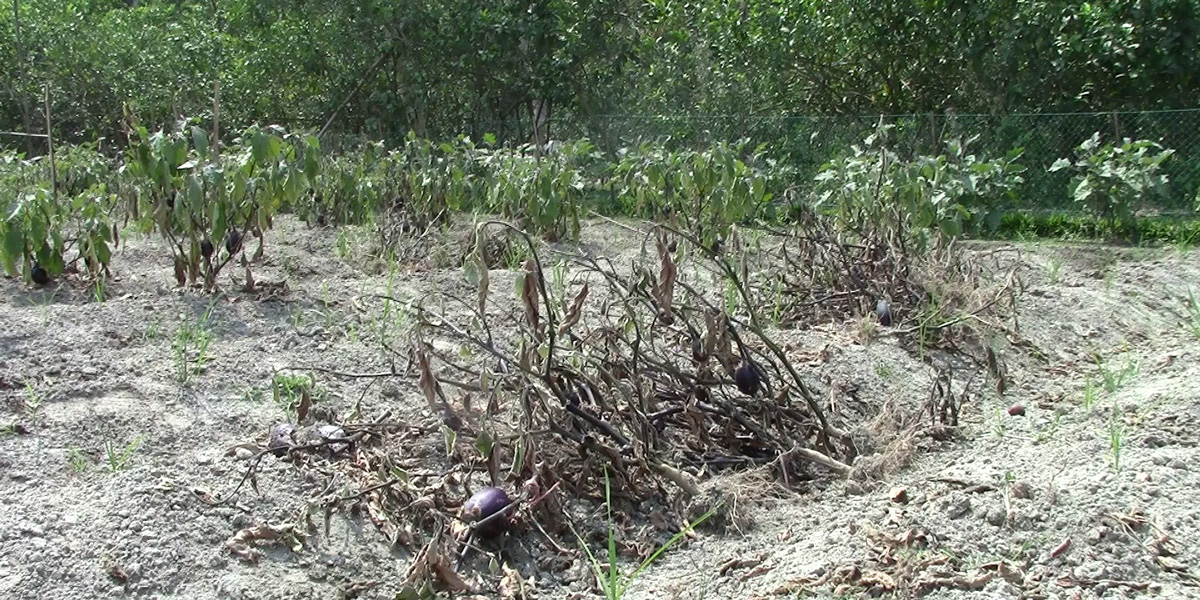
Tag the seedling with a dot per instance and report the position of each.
(33, 400)
(152, 332)
(118, 458)
(79, 462)
(191, 345)
(1089, 395)
(612, 583)
(999, 424)
(1193, 309)
(1053, 269)
(1118, 378)
(253, 395)
(288, 390)
(1050, 430)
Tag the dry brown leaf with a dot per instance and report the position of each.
(575, 311)
(180, 272)
(439, 561)
(482, 268)
(512, 587)
(529, 296)
(242, 543)
(664, 289)
(758, 571)
(249, 287)
(232, 450)
(425, 379)
(873, 578)
(968, 582)
(305, 403)
(1062, 547)
(1171, 564)
(1009, 572)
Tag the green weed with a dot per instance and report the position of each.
(1115, 379)
(190, 346)
(33, 400)
(78, 461)
(152, 332)
(612, 582)
(1050, 430)
(253, 395)
(1193, 314)
(118, 458)
(1089, 395)
(288, 389)
(1053, 270)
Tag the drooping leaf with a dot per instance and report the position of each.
(200, 141)
(529, 296)
(484, 443)
(14, 249)
(576, 310)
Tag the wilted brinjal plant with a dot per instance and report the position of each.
(633, 370)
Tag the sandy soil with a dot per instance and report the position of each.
(97, 488)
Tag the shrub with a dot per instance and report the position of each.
(876, 192)
(1110, 180)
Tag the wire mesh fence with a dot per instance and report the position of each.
(807, 142)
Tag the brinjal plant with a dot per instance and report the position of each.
(194, 195)
(47, 230)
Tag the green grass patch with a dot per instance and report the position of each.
(1077, 226)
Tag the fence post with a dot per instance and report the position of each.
(50, 144)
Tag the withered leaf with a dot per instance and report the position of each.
(305, 403)
(529, 296)
(242, 543)
(575, 311)
(180, 272)
(664, 289)
(425, 380)
(512, 587)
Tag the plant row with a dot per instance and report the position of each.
(206, 199)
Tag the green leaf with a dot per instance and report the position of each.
(1060, 164)
(293, 186)
(239, 187)
(312, 164)
(195, 194)
(14, 248)
(260, 147)
(993, 219)
(471, 271)
(484, 443)
(102, 253)
(450, 437)
(175, 153)
(520, 284)
(219, 222)
(200, 141)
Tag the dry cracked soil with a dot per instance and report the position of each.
(1092, 492)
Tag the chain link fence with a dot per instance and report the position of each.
(808, 142)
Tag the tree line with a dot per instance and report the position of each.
(518, 69)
